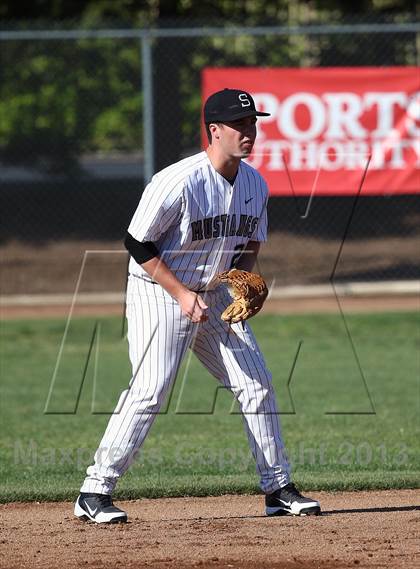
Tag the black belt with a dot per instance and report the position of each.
(192, 290)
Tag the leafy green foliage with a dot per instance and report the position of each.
(61, 99)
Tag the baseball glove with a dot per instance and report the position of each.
(249, 293)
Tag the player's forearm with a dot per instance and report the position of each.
(160, 273)
(249, 255)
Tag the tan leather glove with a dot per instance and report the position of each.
(249, 293)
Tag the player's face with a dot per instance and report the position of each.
(237, 137)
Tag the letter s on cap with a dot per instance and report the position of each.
(245, 102)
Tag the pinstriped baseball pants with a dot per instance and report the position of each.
(159, 336)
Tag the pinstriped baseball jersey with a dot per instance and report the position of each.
(198, 220)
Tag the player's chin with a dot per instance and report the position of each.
(246, 150)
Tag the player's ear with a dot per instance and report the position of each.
(214, 129)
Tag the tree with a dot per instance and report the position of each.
(61, 99)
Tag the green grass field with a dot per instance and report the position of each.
(350, 408)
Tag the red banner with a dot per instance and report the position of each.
(332, 130)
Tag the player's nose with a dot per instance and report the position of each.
(250, 131)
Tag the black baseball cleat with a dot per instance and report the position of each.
(98, 508)
(288, 500)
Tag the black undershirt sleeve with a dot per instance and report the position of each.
(141, 252)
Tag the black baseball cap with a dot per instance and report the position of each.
(230, 105)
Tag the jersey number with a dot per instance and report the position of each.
(236, 256)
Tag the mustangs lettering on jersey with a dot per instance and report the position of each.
(224, 226)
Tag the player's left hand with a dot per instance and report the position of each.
(249, 294)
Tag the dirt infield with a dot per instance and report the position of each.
(365, 529)
(329, 305)
(54, 267)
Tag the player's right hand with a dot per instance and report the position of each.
(193, 306)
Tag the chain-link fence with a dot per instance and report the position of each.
(88, 115)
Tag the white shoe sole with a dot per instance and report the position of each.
(310, 509)
(80, 513)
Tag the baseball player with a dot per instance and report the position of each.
(196, 218)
